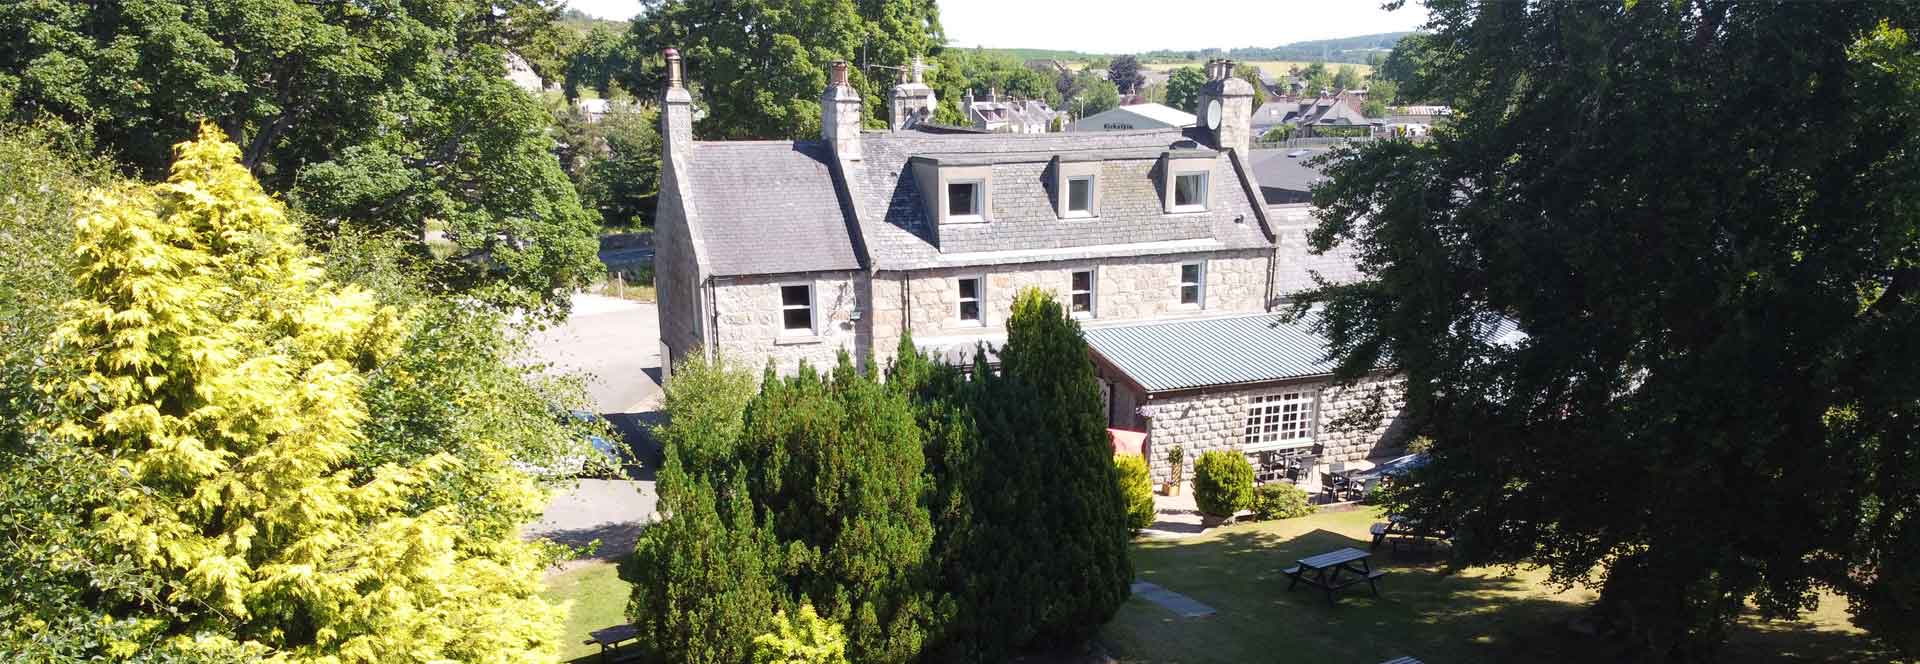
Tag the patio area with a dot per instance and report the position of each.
(1475, 616)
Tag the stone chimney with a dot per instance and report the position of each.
(1236, 108)
(676, 110)
(840, 114)
(913, 101)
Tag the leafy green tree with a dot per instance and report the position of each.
(598, 61)
(377, 118)
(1183, 88)
(1124, 72)
(760, 65)
(1346, 78)
(1098, 97)
(1383, 90)
(1721, 334)
(1251, 75)
(1408, 67)
(208, 357)
(620, 173)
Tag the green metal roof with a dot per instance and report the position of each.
(1205, 352)
(1237, 350)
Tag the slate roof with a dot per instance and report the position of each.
(769, 207)
(1211, 352)
(1131, 220)
(1286, 179)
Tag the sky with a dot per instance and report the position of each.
(1132, 26)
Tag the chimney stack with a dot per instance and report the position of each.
(913, 101)
(676, 110)
(1236, 108)
(840, 114)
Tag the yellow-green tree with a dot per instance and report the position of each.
(211, 359)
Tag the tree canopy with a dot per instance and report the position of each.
(216, 376)
(761, 65)
(1701, 217)
(1183, 87)
(381, 117)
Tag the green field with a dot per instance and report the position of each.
(598, 598)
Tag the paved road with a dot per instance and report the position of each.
(617, 343)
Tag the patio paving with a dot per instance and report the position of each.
(1186, 606)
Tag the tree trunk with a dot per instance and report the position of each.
(1669, 608)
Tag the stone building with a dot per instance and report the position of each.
(796, 250)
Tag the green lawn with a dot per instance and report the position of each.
(599, 599)
(1475, 616)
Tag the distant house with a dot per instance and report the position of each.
(1137, 116)
(522, 74)
(1342, 110)
(1009, 116)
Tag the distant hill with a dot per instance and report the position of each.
(1024, 54)
(1360, 50)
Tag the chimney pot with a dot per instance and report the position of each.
(839, 73)
(673, 67)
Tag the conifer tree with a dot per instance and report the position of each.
(205, 352)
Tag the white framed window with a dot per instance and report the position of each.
(1081, 302)
(1079, 196)
(1276, 421)
(969, 291)
(796, 309)
(966, 201)
(1193, 283)
(1190, 192)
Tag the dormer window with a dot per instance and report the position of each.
(1186, 180)
(965, 200)
(1080, 196)
(1075, 182)
(1190, 192)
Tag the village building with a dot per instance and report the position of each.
(1135, 117)
(1009, 116)
(1159, 240)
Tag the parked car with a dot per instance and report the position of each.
(612, 460)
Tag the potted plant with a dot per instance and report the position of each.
(1175, 457)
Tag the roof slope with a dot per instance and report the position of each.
(770, 207)
(1284, 175)
(1206, 352)
(1131, 220)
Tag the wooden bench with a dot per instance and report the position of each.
(1379, 531)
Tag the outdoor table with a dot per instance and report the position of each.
(610, 638)
(1334, 570)
(1403, 528)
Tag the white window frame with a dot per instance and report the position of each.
(979, 300)
(1173, 192)
(1199, 285)
(1067, 193)
(1269, 427)
(812, 308)
(1092, 291)
(979, 201)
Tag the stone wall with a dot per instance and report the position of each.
(1345, 427)
(1125, 290)
(749, 323)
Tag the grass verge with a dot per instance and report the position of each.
(597, 597)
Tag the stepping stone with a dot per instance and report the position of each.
(1173, 601)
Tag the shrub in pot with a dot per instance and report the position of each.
(1222, 483)
(1137, 488)
(1279, 500)
(1176, 472)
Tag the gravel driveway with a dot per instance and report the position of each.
(617, 343)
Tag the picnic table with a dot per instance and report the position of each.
(1403, 529)
(610, 638)
(1326, 572)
